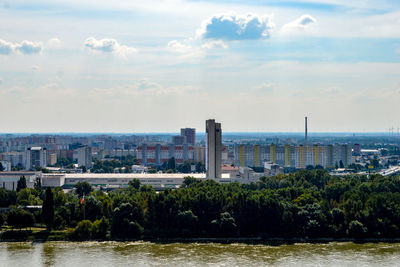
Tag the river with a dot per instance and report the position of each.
(196, 254)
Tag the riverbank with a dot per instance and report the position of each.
(65, 235)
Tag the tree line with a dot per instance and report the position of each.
(307, 203)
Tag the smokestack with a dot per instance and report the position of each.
(306, 137)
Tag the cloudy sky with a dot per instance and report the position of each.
(158, 65)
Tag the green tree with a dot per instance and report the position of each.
(126, 221)
(48, 208)
(171, 164)
(20, 218)
(225, 225)
(100, 228)
(134, 183)
(21, 184)
(38, 184)
(341, 164)
(83, 188)
(187, 223)
(356, 229)
(187, 181)
(7, 198)
(83, 230)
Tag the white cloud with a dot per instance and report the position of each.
(263, 88)
(211, 44)
(236, 27)
(177, 46)
(25, 47)
(28, 47)
(108, 46)
(1, 80)
(300, 24)
(6, 48)
(53, 43)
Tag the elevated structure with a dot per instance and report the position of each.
(213, 149)
(306, 130)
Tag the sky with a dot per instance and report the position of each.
(160, 65)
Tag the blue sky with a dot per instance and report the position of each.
(156, 66)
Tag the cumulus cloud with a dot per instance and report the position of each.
(25, 47)
(6, 48)
(214, 44)
(177, 46)
(302, 23)
(108, 46)
(236, 27)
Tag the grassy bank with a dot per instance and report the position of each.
(43, 235)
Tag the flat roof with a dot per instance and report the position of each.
(132, 175)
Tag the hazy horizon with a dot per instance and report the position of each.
(131, 66)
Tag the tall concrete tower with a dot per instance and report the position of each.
(306, 130)
(213, 149)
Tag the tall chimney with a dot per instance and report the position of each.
(306, 137)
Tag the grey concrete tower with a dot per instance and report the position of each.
(306, 130)
(213, 149)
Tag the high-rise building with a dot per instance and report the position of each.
(36, 157)
(190, 135)
(178, 140)
(213, 149)
(85, 157)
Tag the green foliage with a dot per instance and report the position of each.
(83, 188)
(126, 221)
(306, 203)
(48, 208)
(225, 225)
(38, 184)
(356, 229)
(100, 228)
(21, 184)
(135, 183)
(187, 181)
(20, 218)
(171, 164)
(7, 198)
(83, 230)
(27, 196)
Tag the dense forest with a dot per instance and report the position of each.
(308, 203)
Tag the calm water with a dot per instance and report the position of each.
(197, 254)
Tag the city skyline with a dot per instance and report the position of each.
(80, 66)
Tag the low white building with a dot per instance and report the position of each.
(9, 180)
(159, 181)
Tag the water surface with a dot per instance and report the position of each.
(196, 254)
